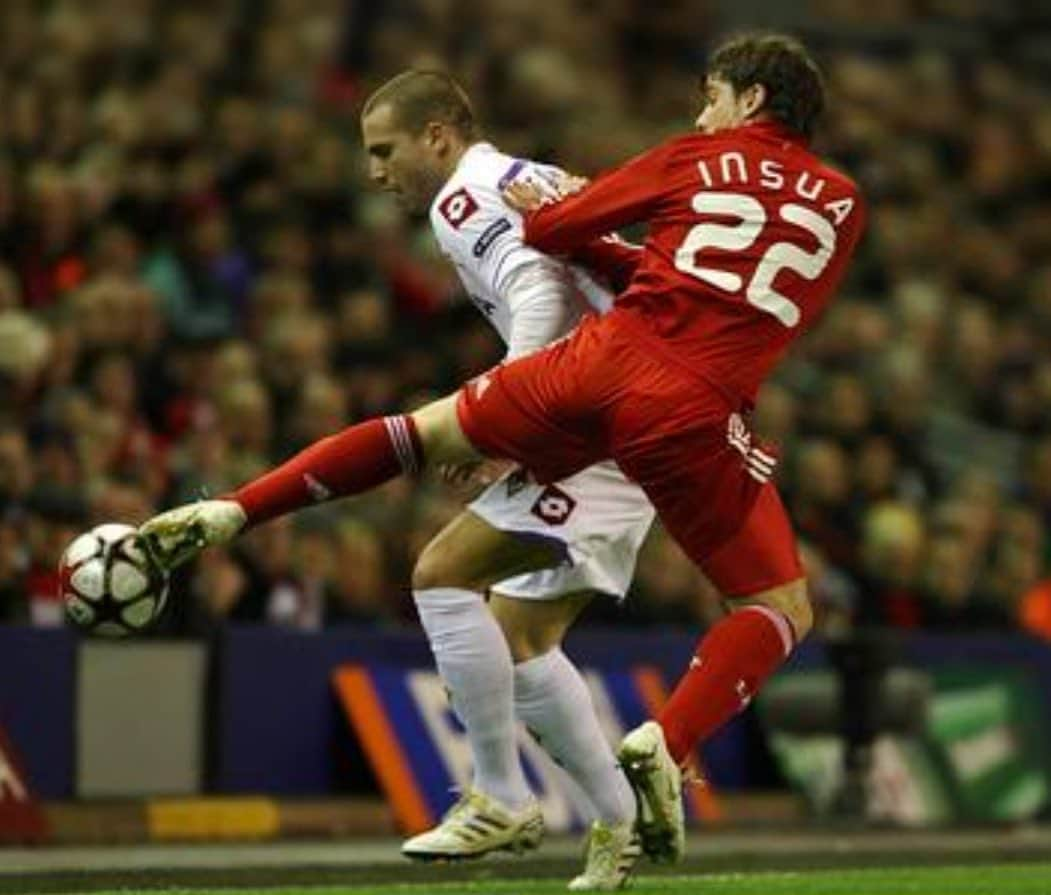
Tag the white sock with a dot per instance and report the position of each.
(475, 663)
(553, 701)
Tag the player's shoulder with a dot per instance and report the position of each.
(487, 168)
(843, 197)
(831, 171)
(682, 151)
(679, 143)
(473, 189)
(469, 216)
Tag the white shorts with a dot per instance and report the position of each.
(598, 517)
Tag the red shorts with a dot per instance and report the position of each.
(608, 391)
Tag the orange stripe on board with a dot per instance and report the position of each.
(700, 795)
(363, 707)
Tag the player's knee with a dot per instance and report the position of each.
(533, 628)
(524, 641)
(437, 566)
(793, 602)
(521, 646)
(430, 571)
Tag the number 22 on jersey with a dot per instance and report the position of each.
(750, 218)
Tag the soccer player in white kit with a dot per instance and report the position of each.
(539, 552)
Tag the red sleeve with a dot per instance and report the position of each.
(613, 200)
(611, 258)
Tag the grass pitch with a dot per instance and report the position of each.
(973, 879)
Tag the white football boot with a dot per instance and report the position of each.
(612, 852)
(475, 826)
(178, 535)
(657, 781)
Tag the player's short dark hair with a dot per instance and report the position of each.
(795, 87)
(419, 96)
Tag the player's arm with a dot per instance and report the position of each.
(618, 198)
(481, 233)
(540, 295)
(609, 257)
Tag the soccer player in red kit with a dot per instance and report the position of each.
(749, 236)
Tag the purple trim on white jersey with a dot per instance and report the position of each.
(510, 174)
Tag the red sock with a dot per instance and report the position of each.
(349, 462)
(732, 661)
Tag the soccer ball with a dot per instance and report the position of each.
(110, 584)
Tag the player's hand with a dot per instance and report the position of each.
(491, 470)
(524, 196)
(568, 184)
(459, 475)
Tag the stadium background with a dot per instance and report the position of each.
(196, 281)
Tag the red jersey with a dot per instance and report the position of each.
(750, 234)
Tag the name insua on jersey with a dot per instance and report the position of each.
(734, 169)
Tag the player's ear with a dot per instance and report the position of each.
(435, 136)
(754, 99)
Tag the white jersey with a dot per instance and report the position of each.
(597, 517)
(482, 236)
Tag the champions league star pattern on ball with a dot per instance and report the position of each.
(109, 583)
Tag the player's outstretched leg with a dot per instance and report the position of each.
(357, 459)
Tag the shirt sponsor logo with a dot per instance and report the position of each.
(496, 229)
(458, 207)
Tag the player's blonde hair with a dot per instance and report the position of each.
(418, 97)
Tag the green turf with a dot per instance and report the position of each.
(980, 879)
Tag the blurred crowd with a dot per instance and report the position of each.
(196, 281)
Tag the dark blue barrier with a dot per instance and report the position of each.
(280, 729)
(37, 686)
(277, 727)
